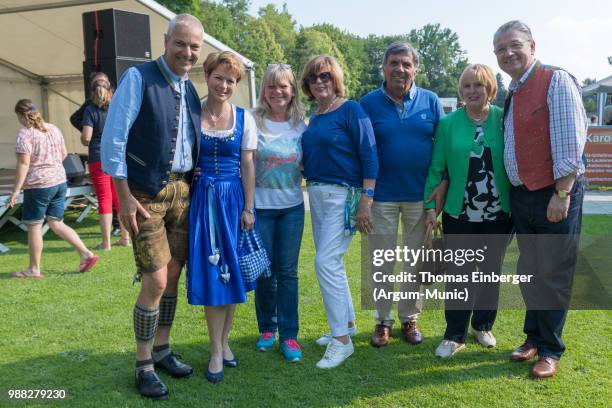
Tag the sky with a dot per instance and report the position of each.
(574, 35)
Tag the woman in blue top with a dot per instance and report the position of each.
(280, 207)
(221, 205)
(340, 166)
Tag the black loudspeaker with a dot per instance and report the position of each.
(75, 171)
(116, 34)
(114, 41)
(112, 67)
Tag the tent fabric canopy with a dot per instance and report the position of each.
(41, 58)
(45, 38)
(603, 86)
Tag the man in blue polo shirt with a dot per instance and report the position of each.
(404, 118)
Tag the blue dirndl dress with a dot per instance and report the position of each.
(217, 201)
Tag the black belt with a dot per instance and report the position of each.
(524, 188)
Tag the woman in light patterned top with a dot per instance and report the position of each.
(469, 145)
(40, 153)
(280, 207)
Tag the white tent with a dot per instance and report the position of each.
(41, 58)
(603, 86)
(601, 89)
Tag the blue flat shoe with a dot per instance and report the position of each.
(233, 363)
(214, 378)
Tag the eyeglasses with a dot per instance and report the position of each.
(514, 46)
(325, 77)
(279, 65)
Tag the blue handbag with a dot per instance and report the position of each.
(252, 257)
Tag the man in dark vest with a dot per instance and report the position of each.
(544, 133)
(150, 146)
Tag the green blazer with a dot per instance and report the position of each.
(452, 145)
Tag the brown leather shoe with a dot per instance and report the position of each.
(545, 367)
(411, 333)
(524, 352)
(380, 337)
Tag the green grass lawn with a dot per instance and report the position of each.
(73, 331)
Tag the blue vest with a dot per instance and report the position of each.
(152, 139)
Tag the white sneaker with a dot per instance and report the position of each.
(325, 339)
(485, 338)
(336, 353)
(448, 348)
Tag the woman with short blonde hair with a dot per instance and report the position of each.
(469, 144)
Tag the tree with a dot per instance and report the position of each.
(239, 9)
(260, 46)
(442, 59)
(217, 21)
(352, 49)
(182, 6)
(282, 26)
(590, 102)
(501, 91)
(311, 42)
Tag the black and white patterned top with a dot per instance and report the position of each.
(481, 201)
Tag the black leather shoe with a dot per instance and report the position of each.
(149, 385)
(214, 378)
(173, 366)
(233, 363)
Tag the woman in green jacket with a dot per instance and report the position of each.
(469, 147)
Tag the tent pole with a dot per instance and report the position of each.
(601, 101)
(252, 86)
(44, 98)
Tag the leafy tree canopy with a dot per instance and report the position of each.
(273, 36)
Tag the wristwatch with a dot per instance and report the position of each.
(562, 193)
(368, 191)
(250, 210)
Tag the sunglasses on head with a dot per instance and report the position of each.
(279, 65)
(325, 77)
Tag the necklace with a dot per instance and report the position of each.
(215, 118)
(478, 120)
(331, 105)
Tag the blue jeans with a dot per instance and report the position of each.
(552, 258)
(276, 298)
(39, 203)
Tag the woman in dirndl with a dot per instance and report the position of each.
(222, 204)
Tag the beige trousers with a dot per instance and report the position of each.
(386, 219)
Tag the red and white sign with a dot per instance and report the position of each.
(598, 151)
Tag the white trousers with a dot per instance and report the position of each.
(327, 216)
